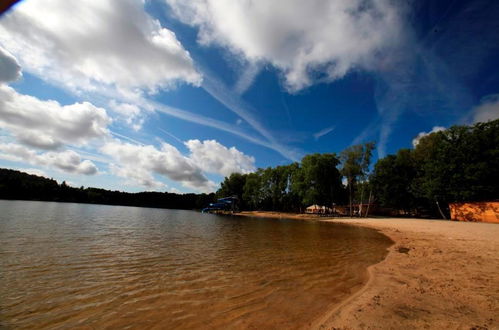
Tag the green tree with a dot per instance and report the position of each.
(459, 164)
(318, 179)
(392, 181)
(355, 166)
(252, 195)
(233, 185)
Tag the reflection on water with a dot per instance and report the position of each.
(69, 265)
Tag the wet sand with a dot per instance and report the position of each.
(438, 275)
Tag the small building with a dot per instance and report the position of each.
(318, 209)
(475, 211)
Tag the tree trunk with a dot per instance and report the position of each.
(350, 189)
(369, 202)
(361, 199)
(440, 210)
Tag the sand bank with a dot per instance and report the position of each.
(438, 275)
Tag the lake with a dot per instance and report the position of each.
(95, 266)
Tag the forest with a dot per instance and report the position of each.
(454, 165)
(19, 185)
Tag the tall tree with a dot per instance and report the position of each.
(318, 180)
(392, 180)
(355, 166)
(233, 185)
(252, 190)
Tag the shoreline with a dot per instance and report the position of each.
(437, 274)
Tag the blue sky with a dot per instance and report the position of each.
(172, 95)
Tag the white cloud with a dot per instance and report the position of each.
(107, 50)
(487, 110)
(213, 157)
(323, 132)
(247, 78)
(10, 70)
(66, 161)
(137, 176)
(129, 113)
(307, 40)
(33, 171)
(85, 45)
(47, 124)
(435, 129)
(140, 163)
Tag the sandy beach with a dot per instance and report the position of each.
(437, 275)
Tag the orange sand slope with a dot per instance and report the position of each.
(478, 212)
(438, 275)
(447, 279)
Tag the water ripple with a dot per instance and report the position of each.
(88, 266)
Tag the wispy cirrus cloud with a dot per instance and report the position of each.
(221, 125)
(247, 77)
(233, 102)
(323, 132)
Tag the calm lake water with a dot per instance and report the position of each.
(92, 266)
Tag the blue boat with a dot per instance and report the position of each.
(223, 205)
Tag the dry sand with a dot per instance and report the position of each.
(438, 275)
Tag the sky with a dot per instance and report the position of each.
(174, 95)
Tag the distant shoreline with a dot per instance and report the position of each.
(438, 274)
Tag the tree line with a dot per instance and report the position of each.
(20, 185)
(454, 165)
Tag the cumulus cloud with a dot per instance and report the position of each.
(131, 114)
(487, 110)
(10, 70)
(214, 157)
(48, 124)
(139, 164)
(307, 40)
(137, 176)
(66, 161)
(87, 44)
(435, 129)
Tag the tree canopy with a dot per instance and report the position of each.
(315, 180)
(455, 165)
(458, 164)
